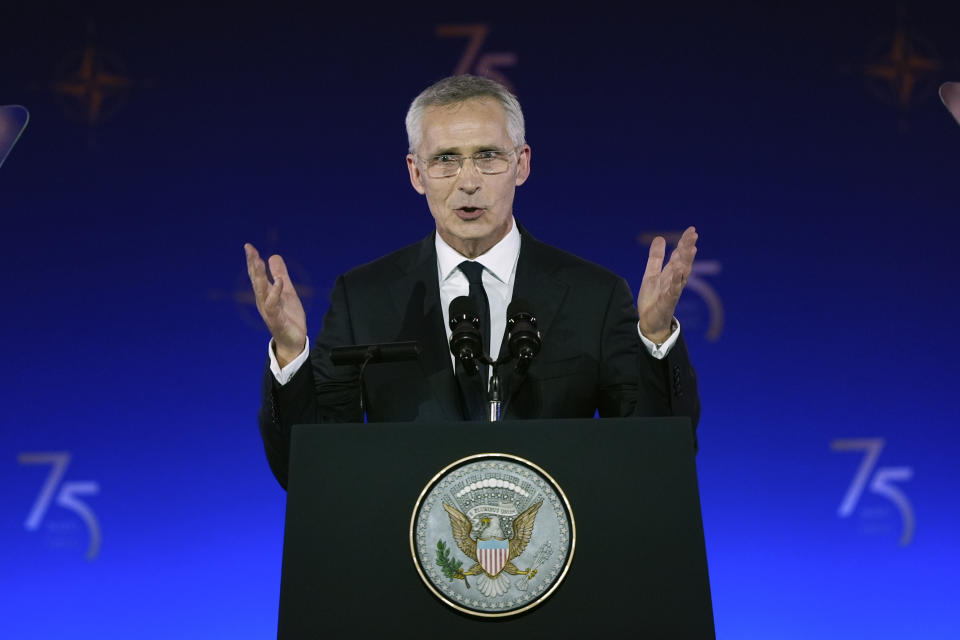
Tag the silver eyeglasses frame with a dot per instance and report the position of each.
(434, 170)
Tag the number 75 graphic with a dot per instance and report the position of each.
(66, 497)
(881, 483)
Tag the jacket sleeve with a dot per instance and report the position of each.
(318, 393)
(633, 382)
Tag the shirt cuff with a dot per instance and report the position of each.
(282, 376)
(660, 351)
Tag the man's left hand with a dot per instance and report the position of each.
(662, 285)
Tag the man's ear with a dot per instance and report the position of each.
(416, 179)
(523, 165)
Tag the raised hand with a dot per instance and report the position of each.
(278, 304)
(662, 285)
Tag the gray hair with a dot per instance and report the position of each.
(457, 89)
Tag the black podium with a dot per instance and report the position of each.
(639, 569)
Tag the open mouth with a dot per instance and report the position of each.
(469, 213)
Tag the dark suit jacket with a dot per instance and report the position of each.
(591, 358)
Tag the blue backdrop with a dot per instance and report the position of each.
(804, 142)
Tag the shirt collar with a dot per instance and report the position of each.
(499, 260)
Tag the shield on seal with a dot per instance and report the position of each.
(492, 555)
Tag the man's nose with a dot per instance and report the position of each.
(469, 179)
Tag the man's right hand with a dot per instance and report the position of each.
(278, 304)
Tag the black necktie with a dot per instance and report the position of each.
(474, 271)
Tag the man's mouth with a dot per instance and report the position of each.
(469, 213)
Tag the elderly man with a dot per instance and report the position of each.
(600, 352)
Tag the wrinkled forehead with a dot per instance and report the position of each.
(464, 127)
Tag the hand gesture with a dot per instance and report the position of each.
(278, 304)
(662, 285)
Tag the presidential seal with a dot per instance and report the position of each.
(492, 535)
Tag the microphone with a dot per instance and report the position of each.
(373, 353)
(523, 337)
(466, 343)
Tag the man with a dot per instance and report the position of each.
(600, 352)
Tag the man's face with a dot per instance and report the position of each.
(473, 211)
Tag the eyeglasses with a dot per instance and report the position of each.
(447, 165)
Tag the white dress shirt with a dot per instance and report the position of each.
(499, 274)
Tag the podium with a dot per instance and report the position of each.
(639, 568)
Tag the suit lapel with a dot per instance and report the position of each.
(537, 284)
(416, 296)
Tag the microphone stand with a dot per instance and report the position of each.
(495, 393)
(495, 396)
(371, 353)
(364, 354)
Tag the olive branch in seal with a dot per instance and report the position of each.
(451, 568)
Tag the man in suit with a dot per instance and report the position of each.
(600, 351)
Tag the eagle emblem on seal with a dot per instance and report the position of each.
(490, 550)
